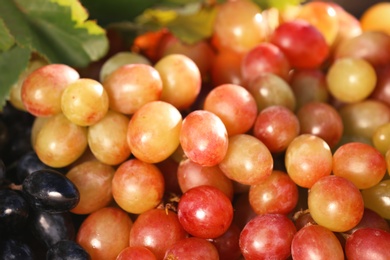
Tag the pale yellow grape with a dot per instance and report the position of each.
(351, 79)
(84, 102)
(60, 142)
(153, 131)
(119, 59)
(107, 138)
(36, 127)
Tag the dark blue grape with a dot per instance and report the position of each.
(12, 249)
(14, 211)
(28, 164)
(50, 190)
(50, 228)
(67, 249)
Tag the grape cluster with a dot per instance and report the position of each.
(269, 140)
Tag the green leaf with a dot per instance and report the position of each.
(279, 4)
(55, 31)
(12, 63)
(6, 39)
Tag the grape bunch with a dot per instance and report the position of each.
(268, 140)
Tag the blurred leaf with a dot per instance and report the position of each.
(6, 39)
(12, 63)
(114, 11)
(279, 4)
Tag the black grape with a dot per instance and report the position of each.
(28, 164)
(51, 191)
(12, 249)
(14, 211)
(67, 249)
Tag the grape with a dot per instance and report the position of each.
(191, 174)
(277, 194)
(360, 163)
(377, 198)
(28, 164)
(42, 89)
(297, 39)
(370, 219)
(181, 79)
(269, 89)
(204, 138)
(316, 242)
(192, 248)
(265, 57)
(335, 203)
(14, 249)
(50, 190)
(67, 249)
(60, 142)
(234, 105)
(247, 161)
(200, 52)
(307, 159)
(14, 211)
(153, 131)
(137, 186)
(351, 79)
(169, 168)
(375, 17)
(276, 126)
(267, 236)
(323, 16)
(107, 139)
(372, 46)
(93, 181)
(205, 212)
(381, 91)
(136, 252)
(368, 243)
(132, 85)
(361, 119)
(50, 228)
(105, 233)
(226, 68)
(243, 211)
(119, 59)
(239, 25)
(322, 120)
(227, 244)
(84, 102)
(157, 230)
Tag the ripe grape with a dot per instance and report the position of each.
(15, 249)
(105, 233)
(239, 25)
(322, 120)
(84, 102)
(137, 186)
(181, 79)
(247, 161)
(157, 230)
(136, 252)
(316, 242)
(375, 18)
(132, 85)
(267, 236)
(381, 91)
(153, 131)
(204, 138)
(265, 57)
(276, 126)
(370, 219)
(335, 203)
(42, 89)
(297, 39)
(360, 163)
(14, 211)
(205, 212)
(227, 244)
(277, 194)
(269, 89)
(107, 139)
(60, 142)
(368, 243)
(191, 174)
(192, 248)
(307, 159)
(226, 68)
(93, 181)
(351, 79)
(67, 249)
